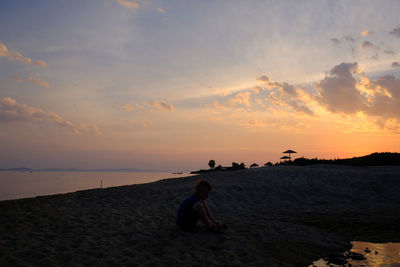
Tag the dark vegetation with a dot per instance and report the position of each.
(235, 166)
(374, 159)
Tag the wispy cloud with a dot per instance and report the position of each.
(335, 41)
(17, 56)
(270, 95)
(242, 98)
(17, 78)
(127, 107)
(161, 105)
(131, 4)
(395, 32)
(35, 80)
(367, 32)
(12, 112)
(39, 82)
(128, 4)
(389, 52)
(366, 44)
(395, 65)
(349, 39)
(263, 78)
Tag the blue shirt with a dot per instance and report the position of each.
(187, 216)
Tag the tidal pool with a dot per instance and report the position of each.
(376, 254)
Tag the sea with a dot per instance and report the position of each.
(23, 184)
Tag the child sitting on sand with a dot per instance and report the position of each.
(195, 207)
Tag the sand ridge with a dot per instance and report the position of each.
(277, 216)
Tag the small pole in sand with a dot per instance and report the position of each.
(101, 184)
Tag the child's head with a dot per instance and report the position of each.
(202, 189)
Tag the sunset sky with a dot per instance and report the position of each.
(172, 84)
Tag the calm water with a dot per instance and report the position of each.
(381, 254)
(15, 185)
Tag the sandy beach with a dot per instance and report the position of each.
(277, 216)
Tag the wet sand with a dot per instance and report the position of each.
(277, 216)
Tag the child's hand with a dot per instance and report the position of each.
(221, 226)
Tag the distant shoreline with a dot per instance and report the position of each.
(23, 169)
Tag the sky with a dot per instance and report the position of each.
(170, 85)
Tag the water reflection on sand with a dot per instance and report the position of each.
(376, 254)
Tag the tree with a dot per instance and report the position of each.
(211, 163)
(268, 163)
(253, 165)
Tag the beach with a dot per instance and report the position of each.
(276, 216)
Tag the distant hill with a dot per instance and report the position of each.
(24, 169)
(20, 169)
(374, 159)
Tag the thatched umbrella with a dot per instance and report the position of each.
(289, 152)
(285, 157)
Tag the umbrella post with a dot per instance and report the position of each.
(289, 152)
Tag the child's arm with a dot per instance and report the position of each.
(209, 214)
(201, 209)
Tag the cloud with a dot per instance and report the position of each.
(345, 90)
(39, 81)
(161, 10)
(395, 32)
(385, 102)
(17, 78)
(288, 89)
(127, 107)
(92, 129)
(389, 52)
(271, 95)
(367, 32)
(11, 112)
(161, 105)
(337, 92)
(301, 108)
(366, 44)
(395, 65)
(128, 4)
(16, 56)
(335, 41)
(263, 78)
(242, 98)
(379, 99)
(349, 39)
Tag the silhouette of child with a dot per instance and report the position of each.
(195, 207)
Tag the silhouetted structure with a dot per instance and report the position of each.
(289, 152)
(285, 157)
